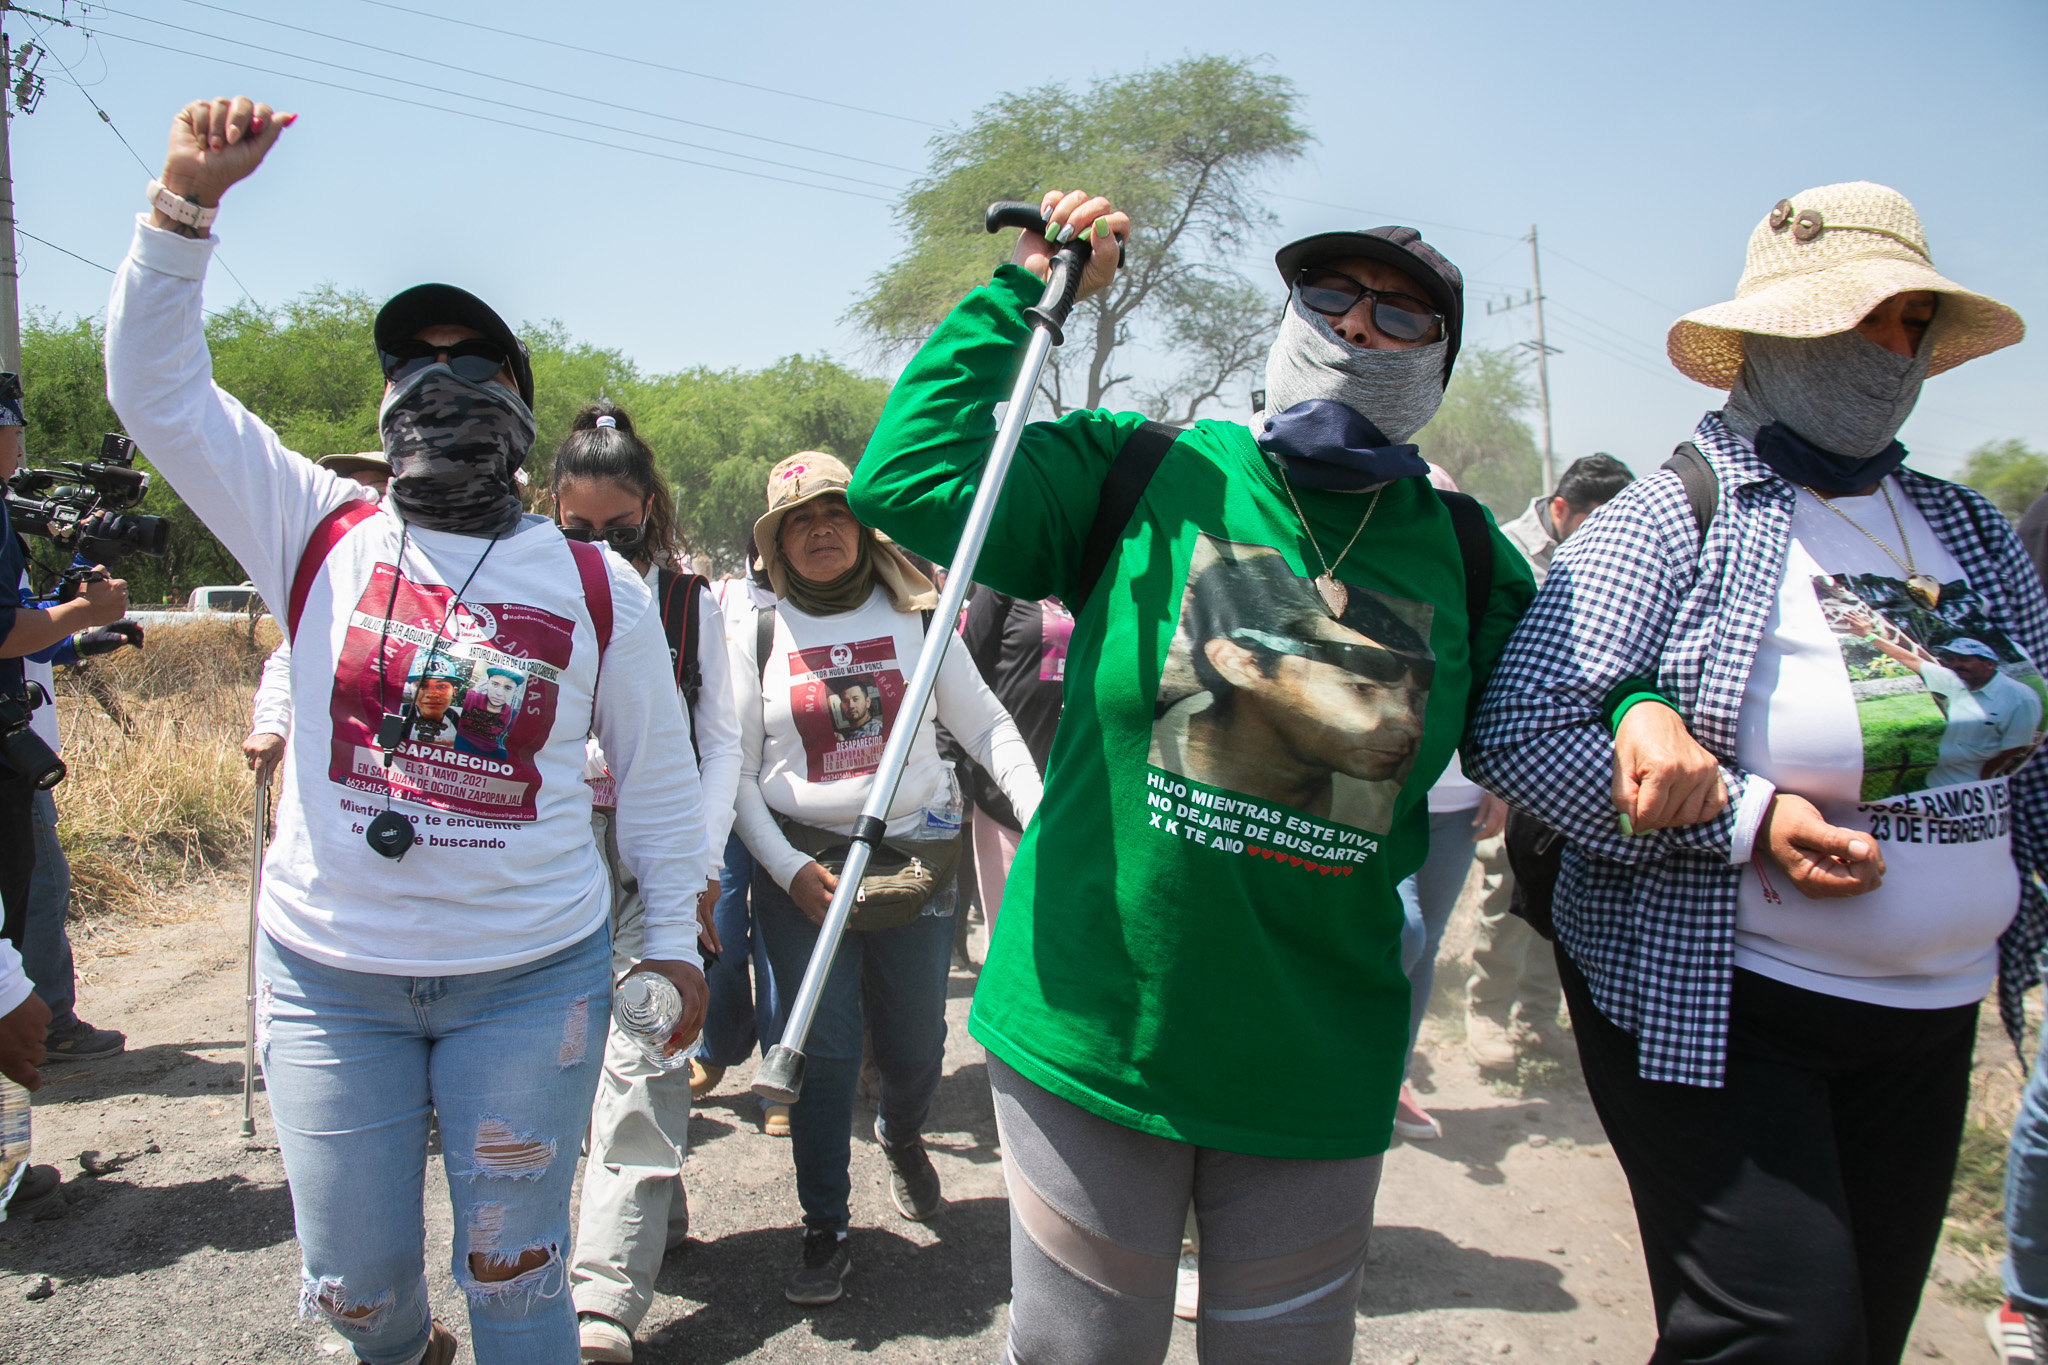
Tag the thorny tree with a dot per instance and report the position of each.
(1182, 148)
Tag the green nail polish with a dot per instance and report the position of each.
(1628, 829)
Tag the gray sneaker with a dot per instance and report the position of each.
(74, 1040)
(821, 1276)
(913, 1184)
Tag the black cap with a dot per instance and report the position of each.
(427, 305)
(1400, 247)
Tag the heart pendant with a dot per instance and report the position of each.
(1924, 589)
(1334, 594)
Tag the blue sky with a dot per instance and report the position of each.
(1644, 141)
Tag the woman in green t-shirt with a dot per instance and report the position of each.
(1194, 991)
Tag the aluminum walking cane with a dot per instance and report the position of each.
(780, 1079)
(256, 831)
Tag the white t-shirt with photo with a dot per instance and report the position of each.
(1927, 938)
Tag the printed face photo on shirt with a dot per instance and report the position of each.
(1264, 694)
(1943, 696)
(856, 706)
(434, 686)
(843, 699)
(488, 710)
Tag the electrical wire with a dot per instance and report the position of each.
(583, 97)
(1670, 308)
(1363, 213)
(557, 45)
(502, 104)
(24, 232)
(486, 118)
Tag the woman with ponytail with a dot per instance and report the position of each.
(605, 487)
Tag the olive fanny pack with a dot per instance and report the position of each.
(902, 877)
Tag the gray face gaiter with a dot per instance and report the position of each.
(1397, 391)
(1844, 393)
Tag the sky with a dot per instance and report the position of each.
(1643, 142)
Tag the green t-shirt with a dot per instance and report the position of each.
(1200, 937)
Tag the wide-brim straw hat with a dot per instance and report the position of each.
(1818, 263)
(805, 477)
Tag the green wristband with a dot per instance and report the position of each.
(1622, 707)
(1627, 693)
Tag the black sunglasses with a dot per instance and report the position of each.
(1400, 316)
(1376, 662)
(475, 360)
(627, 540)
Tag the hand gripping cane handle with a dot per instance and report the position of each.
(1063, 282)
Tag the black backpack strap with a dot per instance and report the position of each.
(1129, 472)
(1702, 487)
(676, 597)
(1475, 549)
(764, 639)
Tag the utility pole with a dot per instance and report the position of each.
(10, 272)
(1533, 298)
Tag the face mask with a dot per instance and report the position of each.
(453, 447)
(1844, 394)
(1396, 391)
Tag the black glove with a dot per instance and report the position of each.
(93, 643)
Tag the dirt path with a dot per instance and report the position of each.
(1510, 1237)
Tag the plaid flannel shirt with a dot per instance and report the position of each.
(1634, 593)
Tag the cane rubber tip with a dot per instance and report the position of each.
(248, 1129)
(780, 1078)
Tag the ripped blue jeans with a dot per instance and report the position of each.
(354, 1064)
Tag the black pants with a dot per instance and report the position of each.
(17, 853)
(1788, 1218)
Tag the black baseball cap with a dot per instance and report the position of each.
(428, 305)
(1400, 247)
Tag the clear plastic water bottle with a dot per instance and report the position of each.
(943, 813)
(647, 1007)
(14, 1130)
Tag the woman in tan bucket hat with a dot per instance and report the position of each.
(1782, 698)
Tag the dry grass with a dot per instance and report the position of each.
(156, 810)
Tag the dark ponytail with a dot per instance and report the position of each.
(612, 453)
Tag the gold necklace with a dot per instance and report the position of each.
(1334, 594)
(1921, 587)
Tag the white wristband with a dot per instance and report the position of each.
(179, 209)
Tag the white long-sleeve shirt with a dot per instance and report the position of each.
(14, 982)
(503, 870)
(271, 712)
(809, 745)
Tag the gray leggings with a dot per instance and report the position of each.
(1096, 1215)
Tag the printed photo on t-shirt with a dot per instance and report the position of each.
(843, 698)
(476, 683)
(1055, 628)
(1267, 696)
(1943, 697)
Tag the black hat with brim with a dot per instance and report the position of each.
(429, 305)
(1400, 247)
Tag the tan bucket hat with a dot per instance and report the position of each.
(1818, 263)
(360, 460)
(805, 477)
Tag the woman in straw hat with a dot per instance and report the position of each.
(832, 658)
(1796, 860)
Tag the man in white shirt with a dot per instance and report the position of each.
(1992, 718)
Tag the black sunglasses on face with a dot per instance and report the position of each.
(627, 540)
(475, 360)
(1375, 662)
(1400, 316)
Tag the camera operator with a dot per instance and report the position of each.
(102, 600)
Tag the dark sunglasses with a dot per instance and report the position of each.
(475, 360)
(1375, 662)
(1399, 316)
(627, 540)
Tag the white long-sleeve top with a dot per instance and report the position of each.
(14, 982)
(810, 752)
(503, 869)
(717, 726)
(271, 712)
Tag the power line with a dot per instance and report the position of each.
(502, 123)
(1353, 208)
(558, 45)
(66, 250)
(583, 98)
(1667, 307)
(486, 99)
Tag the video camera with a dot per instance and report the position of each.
(82, 506)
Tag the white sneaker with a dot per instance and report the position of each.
(1412, 1121)
(603, 1339)
(1187, 1288)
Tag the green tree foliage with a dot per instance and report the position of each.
(309, 370)
(2008, 472)
(1480, 434)
(1182, 147)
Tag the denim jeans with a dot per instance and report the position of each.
(741, 1012)
(46, 940)
(901, 974)
(1428, 898)
(2026, 1194)
(355, 1062)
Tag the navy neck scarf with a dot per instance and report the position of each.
(1325, 444)
(1791, 456)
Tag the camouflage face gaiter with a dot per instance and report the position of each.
(453, 447)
